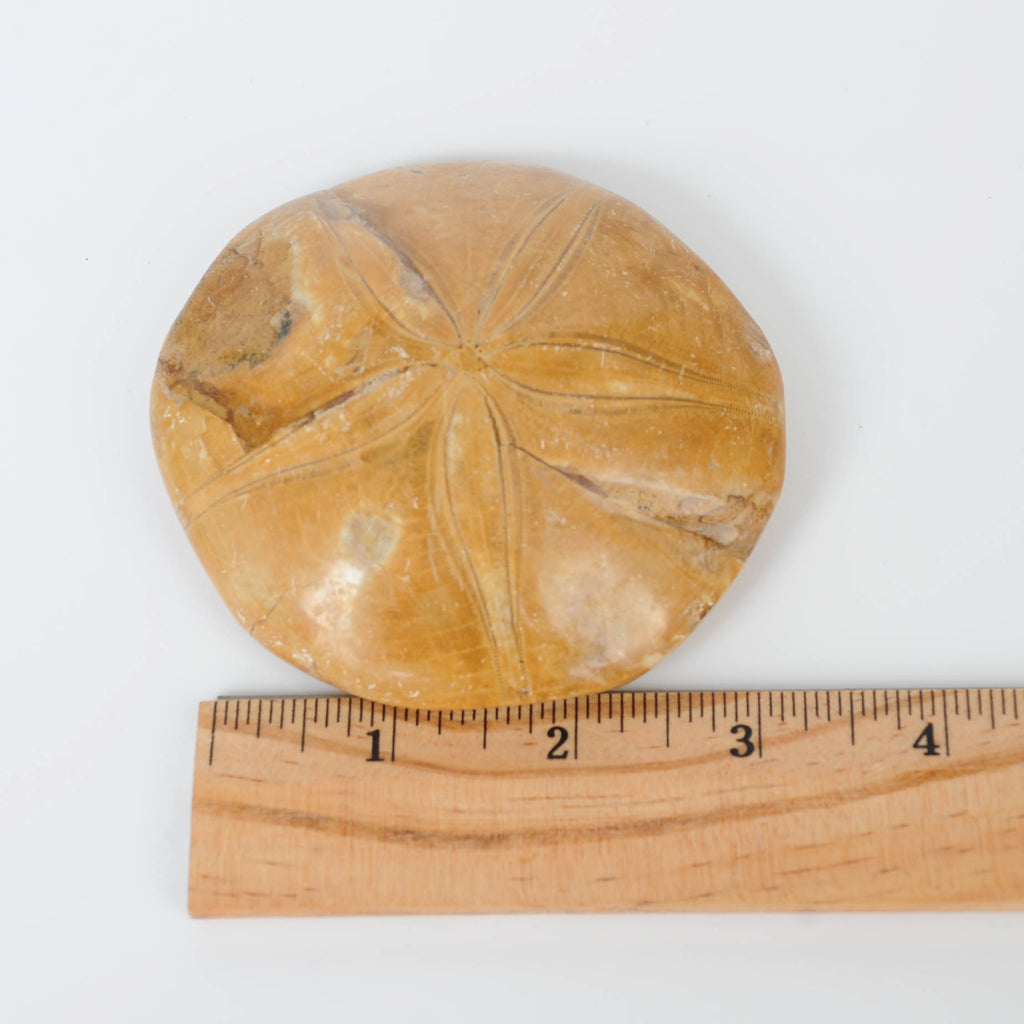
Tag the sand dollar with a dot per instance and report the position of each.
(468, 434)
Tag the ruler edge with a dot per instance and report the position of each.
(688, 907)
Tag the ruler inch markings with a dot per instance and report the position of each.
(575, 728)
(213, 731)
(863, 816)
(945, 722)
(760, 740)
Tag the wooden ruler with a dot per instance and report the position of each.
(852, 799)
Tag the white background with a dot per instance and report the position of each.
(854, 172)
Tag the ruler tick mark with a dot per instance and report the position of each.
(575, 728)
(992, 707)
(806, 726)
(302, 743)
(945, 722)
(213, 730)
(348, 722)
(760, 741)
(259, 717)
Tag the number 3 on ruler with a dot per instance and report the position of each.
(744, 732)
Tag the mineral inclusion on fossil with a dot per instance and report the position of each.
(468, 434)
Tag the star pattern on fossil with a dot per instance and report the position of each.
(493, 397)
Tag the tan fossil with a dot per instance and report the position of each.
(464, 435)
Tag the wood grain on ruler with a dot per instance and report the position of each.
(659, 801)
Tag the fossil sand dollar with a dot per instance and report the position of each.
(468, 434)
